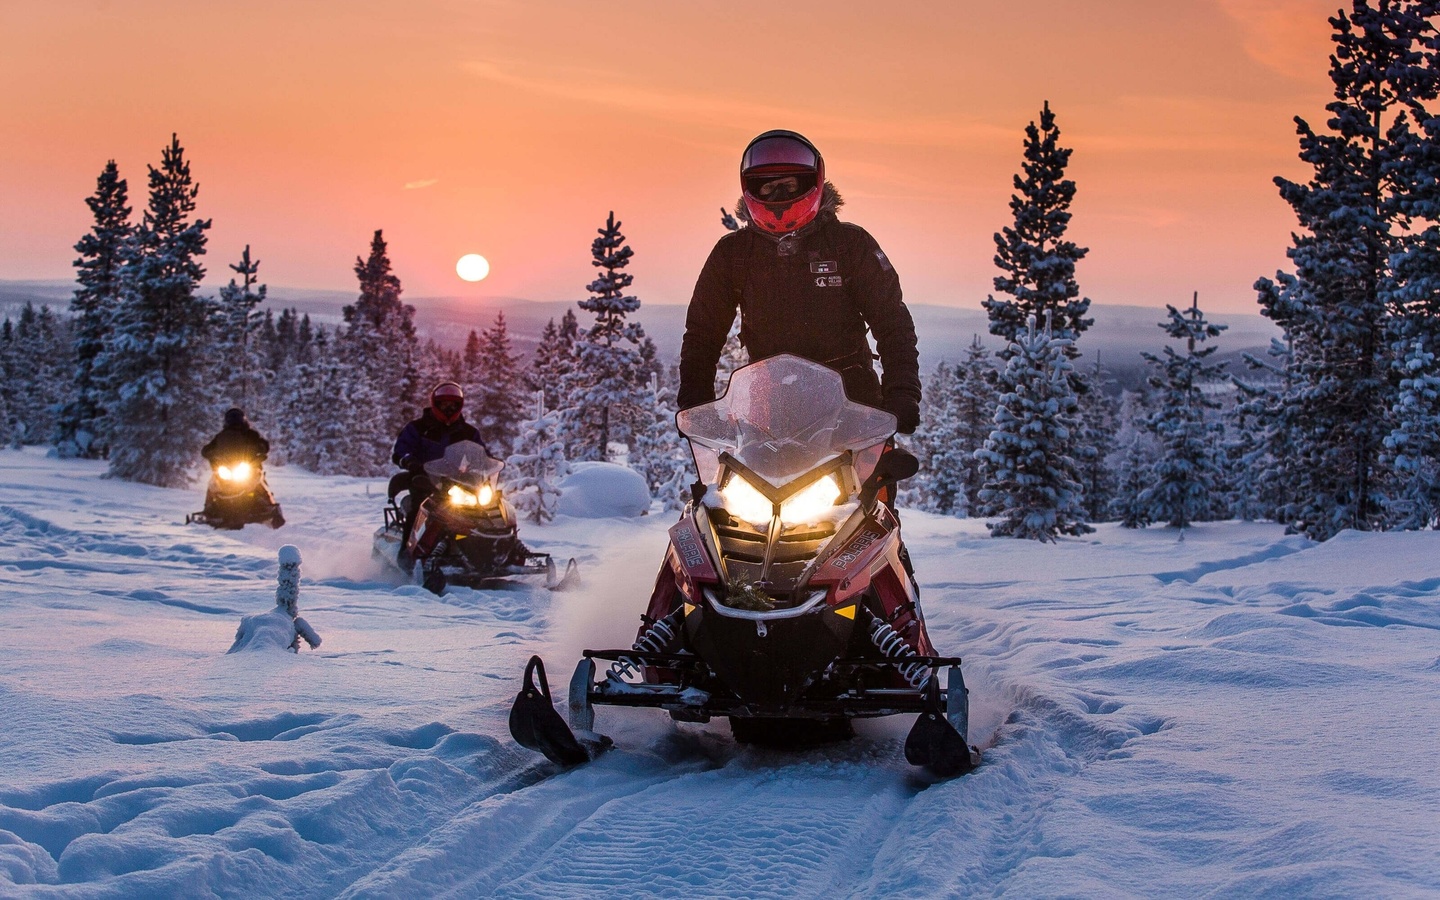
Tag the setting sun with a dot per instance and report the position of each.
(472, 267)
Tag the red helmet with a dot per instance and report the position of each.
(446, 401)
(782, 178)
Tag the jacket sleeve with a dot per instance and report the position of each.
(884, 309)
(407, 444)
(208, 451)
(707, 324)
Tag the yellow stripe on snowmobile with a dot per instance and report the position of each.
(846, 611)
(689, 608)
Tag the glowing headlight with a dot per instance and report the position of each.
(744, 502)
(811, 503)
(461, 497)
(239, 472)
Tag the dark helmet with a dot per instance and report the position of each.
(235, 417)
(446, 401)
(782, 178)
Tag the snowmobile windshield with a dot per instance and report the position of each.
(781, 417)
(465, 463)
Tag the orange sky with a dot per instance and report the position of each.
(512, 127)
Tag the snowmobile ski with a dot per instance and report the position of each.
(536, 725)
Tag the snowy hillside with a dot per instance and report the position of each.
(1238, 714)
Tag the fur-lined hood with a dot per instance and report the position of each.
(830, 203)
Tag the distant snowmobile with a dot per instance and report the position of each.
(783, 601)
(465, 532)
(237, 496)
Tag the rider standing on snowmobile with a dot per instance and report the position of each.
(425, 439)
(238, 439)
(805, 283)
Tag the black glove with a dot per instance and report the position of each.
(906, 413)
(407, 462)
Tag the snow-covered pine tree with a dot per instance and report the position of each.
(495, 391)
(1188, 470)
(607, 396)
(1334, 308)
(945, 461)
(533, 472)
(733, 355)
(380, 345)
(1264, 432)
(326, 397)
(975, 400)
(36, 360)
(554, 360)
(155, 360)
(1031, 482)
(242, 376)
(1098, 422)
(1413, 447)
(1036, 262)
(660, 453)
(98, 270)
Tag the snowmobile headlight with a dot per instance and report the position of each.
(461, 497)
(238, 472)
(743, 501)
(811, 503)
(486, 495)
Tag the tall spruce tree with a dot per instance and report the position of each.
(379, 343)
(607, 398)
(98, 269)
(1188, 471)
(554, 361)
(496, 396)
(1335, 307)
(1031, 482)
(155, 361)
(1036, 261)
(242, 376)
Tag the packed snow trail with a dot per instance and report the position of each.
(1240, 713)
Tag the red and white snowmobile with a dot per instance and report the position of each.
(465, 532)
(784, 602)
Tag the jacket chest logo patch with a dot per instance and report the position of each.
(829, 281)
(823, 267)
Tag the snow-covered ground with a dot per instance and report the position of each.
(1239, 714)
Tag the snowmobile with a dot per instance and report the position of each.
(465, 532)
(784, 601)
(238, 495)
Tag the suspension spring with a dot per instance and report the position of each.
(659, 637)
(889, 642)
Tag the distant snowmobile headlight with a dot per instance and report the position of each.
(486, 495)
(744, 502)
(811, 503)
(461, 497)
(239, 472)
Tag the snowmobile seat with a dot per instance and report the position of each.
(399, 482)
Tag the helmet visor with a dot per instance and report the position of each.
(448, 406)
(779, 151)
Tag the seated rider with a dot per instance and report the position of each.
(238, 440)
(426, 439)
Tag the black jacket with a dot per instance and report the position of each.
(242, 442)
(812, 294)
(426, 438)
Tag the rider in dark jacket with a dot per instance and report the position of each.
(441, 424)
(424, 440)
(805, 283)
(237, 440)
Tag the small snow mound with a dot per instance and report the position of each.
(599, 490)
(289, 555)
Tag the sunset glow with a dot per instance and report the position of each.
(309, 126)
